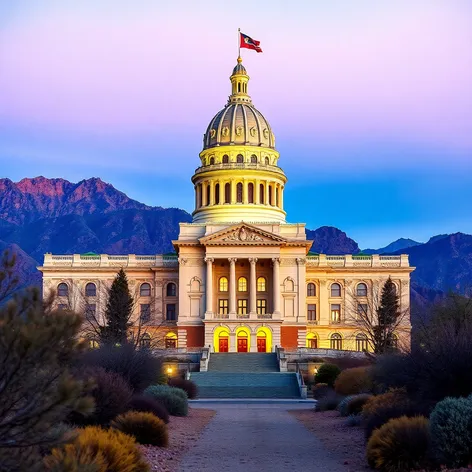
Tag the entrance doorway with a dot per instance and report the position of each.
(242, 343)
(261, 345)
(223, 344)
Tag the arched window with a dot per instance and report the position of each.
(361, 290)
(312, 341)
(270, 195)
(335, 290)
(63, 290)
(261, 284)
(267, 161)
(171, 290)
(145, 290)
(217, 194)
(212, 161)
(239, 159)
(261, 194)
(336, 341)
(223, 283)
(208, 194)
(250, 192)
(253, 159)
(239, 192)
(90, 290)
(225, 159)
(145, 341)
(361, 342)
(171, 340)
(242, 284)
(311, 290)
(228, 193)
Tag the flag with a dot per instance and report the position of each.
(249, 43)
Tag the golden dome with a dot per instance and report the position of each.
(239, 122)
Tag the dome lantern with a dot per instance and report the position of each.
(239, 80)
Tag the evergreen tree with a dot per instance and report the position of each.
(388, 313)
(118, 311)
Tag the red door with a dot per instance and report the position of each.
(242, 344)
(261, 345)
(223, 345)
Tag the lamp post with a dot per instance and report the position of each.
(169, 373)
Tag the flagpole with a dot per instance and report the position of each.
(239, 42)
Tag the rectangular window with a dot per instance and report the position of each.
(145, 312)
(171, 314)
(362, 310)
(90, 311)
(242, 307)
(311, 312)
(261, 307)
(335, 313)
(223, 306)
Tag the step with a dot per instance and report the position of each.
(243, 362)
(269, 379)
(248, 392)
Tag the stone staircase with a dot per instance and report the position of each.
(245, 375)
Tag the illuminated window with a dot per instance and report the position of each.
(336, 341)
(261, 306)
(261, 284)
(223, 284)
(223, 306)
(145, 290)
(90, 290)
(362, 290)
(242, 307)
(361, 342)
(171, 341)
(171, 290)
(312, 341)
(335, 313)
(62, 290)
(311, 312)
(242, 284)
(335, 290)
(311, 290)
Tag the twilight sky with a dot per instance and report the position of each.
(370, 101)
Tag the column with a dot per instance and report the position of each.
(281, 196)
(245, 192)
(252, 286)
(253, 343)
(232, 342)
(232, 285)
(233, 192)
(276, 282)
(257, 195)
(266, 199)
(204, 194)
(222, 191)
(212, 193)
(209, 285)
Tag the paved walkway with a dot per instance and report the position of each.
(257, 438)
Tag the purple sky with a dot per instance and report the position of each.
(370, 101)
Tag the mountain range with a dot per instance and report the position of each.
(40, 215)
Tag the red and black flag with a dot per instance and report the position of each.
(249, 43)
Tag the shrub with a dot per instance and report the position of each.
(145, 427)
(379, 409)
(320, 390)
(111, 394)
(186, 385)
(401, 445)
(354, 420)
(451, 430)
(174, 399)
(327, 373)
(356, 403)
(342, 407)
(148, 404)
(99, 450)
(349, 361)
(328, 402)
(138, 367)
(354, 381)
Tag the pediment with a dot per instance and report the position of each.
(242, 234)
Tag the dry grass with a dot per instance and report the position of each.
(183, 434)
(345, 442)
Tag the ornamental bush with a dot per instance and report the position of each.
(320, 390)
(401, 445)
(354, 381)
(146, 428)
(174, 399)
(451, 431)
(328, 402)
(186, 385)
(356, 403)
(98, 450)
(342, 407)
(148, 404)
(327, 373)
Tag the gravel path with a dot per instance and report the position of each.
(256, 438)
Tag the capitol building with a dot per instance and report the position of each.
(243, 279)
